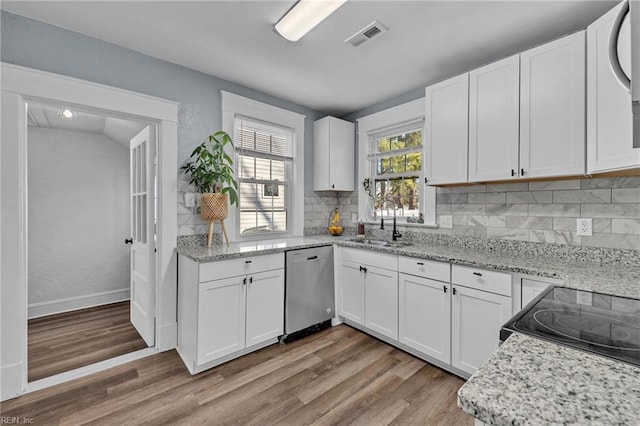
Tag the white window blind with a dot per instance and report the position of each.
(264, 155)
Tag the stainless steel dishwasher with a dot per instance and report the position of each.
(309, 291)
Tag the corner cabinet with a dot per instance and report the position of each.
(447, 131)
(368, 290)
(228, 308)
(333, 155)
(609, 123)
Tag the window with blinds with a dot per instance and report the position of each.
(396, 170)
(264, 154)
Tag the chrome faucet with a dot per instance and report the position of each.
(395, 235)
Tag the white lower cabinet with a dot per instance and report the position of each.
(381, 301)
(425, 316)
(368, 294)
(228, 308)
(476, 319)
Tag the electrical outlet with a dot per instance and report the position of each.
(584, 226)
(446, 221)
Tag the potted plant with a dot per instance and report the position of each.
(211, 172)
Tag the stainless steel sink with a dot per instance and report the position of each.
(380, 243)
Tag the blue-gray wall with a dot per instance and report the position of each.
(45, 47)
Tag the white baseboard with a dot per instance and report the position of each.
(59, 306)
(11, 383)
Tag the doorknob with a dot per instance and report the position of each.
(128, 241)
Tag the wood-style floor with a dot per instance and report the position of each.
(63, 342)
(337, 376)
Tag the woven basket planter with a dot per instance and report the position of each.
(214, 206)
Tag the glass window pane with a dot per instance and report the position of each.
(263, 169)
(400, 141)
(402, 194)
(277, 170)
(414, 161)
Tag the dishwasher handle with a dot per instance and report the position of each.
(312, 257)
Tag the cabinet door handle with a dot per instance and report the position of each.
(454, 290)
(250, 280)
(444, 288)
(128, 240)
(312, 257)
(244, 281)
(513, 172)
(248, 261)
(363, 269)
(477, 273)
(421, 263)
(521, 172)
(333, 186)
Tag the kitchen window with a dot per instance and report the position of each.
(268, 158)
(391, 166)
(264, 158)
(397, 173)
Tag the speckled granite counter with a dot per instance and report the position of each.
(611, 278)
(527, 381)
(531, 381)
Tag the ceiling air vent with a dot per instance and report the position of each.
(367, 33)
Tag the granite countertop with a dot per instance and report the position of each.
(532, 381)
(610, 278)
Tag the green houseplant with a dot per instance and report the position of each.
(211, 171)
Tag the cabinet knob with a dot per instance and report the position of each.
(128, 240)
(250, 280)
(247, 261)
(333, 186)
(421, 263)
(454, 290)
(513, 172)
(477, 273)
(444, 288)
(244, 281)
(521, 172)
(363, 269)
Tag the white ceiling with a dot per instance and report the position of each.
(116, 129)
(427, 40)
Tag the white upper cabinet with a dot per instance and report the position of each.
(334, 155)
(609, 118)
(494, 120)
(552, 108)
(447, 130)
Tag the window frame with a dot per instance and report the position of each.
(233, 105)
(395, 119)
(288, 171)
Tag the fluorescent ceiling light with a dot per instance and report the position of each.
(305, 15)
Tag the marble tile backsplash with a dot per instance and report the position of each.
(547, 211)
(543, 212)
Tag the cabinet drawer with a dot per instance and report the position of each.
(425, 268)
(371, 258)
(481, 279)
(240, 266)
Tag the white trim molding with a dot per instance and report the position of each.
(21, 85)
(389, 119)
(235, 105)
(69, 304)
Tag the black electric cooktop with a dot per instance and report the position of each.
(600, 323)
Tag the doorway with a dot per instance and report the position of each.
(80, 237)
(20, 86)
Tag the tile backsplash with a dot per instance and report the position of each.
(547, 211)
(544, 212)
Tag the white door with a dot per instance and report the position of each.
(221, 318)
(265, 306)
(381, 301)
(351, 291)
(477, 317)
(552, 108)
(142, 239)
(447, 130)
(494, 113)
(425, 316)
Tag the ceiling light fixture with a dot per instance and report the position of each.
(67, 114)
(304, 16)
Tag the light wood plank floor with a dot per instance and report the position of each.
(337, 376)
(63, 342)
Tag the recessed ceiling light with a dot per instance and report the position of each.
(67, 114)
(305, 15)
